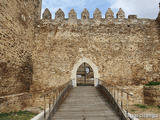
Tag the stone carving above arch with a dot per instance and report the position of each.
(109, 14)
(59, 15)
(121, 14)
(97, 14)
(72, 14)
(47, 14)
(85, 14)
(76, 66)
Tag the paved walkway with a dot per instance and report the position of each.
(85, 103)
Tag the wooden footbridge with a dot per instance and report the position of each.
(85, 103)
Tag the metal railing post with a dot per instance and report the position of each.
(114, 94)
(122, 99)
(44, 108)
(109, 89)
(117, 96)
(55, 98)
(127, 103)
(112, 90)
(52, 97)
(49, 104)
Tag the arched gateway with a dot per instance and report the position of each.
(76, 67)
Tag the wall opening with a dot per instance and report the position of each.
(90, 68)
(85, 75)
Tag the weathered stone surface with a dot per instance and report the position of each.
(17, 21)
(152, 95)
(72, 14)
(85, 14)
(125, 53)
(15, 103)
(109, 14)
(47, 14)
(121, 14)
(97, 14)
(132, 17)
(72, 17)
(59, 15)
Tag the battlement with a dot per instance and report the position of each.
(97, 17)
(85, 15)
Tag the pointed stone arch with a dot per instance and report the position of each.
(76, 66)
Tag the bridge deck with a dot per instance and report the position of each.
(85, 103)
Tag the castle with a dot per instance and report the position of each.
(38, 54)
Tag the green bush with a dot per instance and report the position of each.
(21, 115)
(133, 110)
(152, 83)
(141, 106)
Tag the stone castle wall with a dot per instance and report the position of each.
(152, 95)
(17, 21)
(126, 51)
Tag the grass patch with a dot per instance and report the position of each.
(141, 106)
(21, 115)
(133, 110)
(152, 84)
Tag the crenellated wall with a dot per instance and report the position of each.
(85, 15)
(126, 50)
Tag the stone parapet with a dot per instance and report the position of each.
(152, 95)
(97, 18)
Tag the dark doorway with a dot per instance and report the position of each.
(85, 75)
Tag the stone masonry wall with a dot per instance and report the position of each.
(17, 21)
(152, 95)
(126, 51)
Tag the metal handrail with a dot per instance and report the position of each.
(54, 97)
(55, 89)
(119, 100)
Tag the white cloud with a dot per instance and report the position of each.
(143, 8)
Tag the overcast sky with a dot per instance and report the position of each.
(142, 8)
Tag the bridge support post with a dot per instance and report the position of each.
(96, 82)
(74, 83)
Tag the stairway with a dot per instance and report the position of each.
(85, 103)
